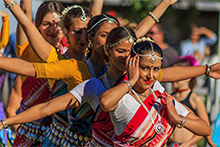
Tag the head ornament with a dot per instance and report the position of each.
(106, 18)
(129, 38)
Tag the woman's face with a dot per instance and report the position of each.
(148, 72)
(119, 54)
(77, 35)
(50, 29)
(98, 41)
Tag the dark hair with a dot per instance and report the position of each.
(74, 13)
(144, 47)
(45, 7)
(95, 19)
(119, 33)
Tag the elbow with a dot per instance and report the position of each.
(104, 104)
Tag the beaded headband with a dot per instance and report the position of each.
(67, 9)
(108, 19)
(152, 55)
(129, 37)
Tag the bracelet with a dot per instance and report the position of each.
(4, 123)
(154, 17)
(207, 70)
(129, 85)
(11, 4)
(182, 123)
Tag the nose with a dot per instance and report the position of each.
(55, 28)
(83, 36)
(150, 74)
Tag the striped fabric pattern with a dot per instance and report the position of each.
(140, 130)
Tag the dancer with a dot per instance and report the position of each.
(142, 116)
(183, 91)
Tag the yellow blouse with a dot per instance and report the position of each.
(71, 71)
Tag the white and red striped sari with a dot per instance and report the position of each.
(133, 126)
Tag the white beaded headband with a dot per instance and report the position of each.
(67, 9)
(152, 55)
(108, 19)
(129, 37)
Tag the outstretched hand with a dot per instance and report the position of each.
(215, 71)
(3, 13)
(133, 68)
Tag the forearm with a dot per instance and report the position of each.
(17, 66)
(148, 22)
(172, 74)
(95, 7)
(197, 126)
(207, 32)
(39, 111)
(110, 98)
(26, 6)
(38, 43)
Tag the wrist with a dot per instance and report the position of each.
(181, 122)
(207, 71)
(166, 3)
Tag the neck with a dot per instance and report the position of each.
(98, 62)
(75, 54)
(113, 75)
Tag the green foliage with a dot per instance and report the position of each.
(140, 8)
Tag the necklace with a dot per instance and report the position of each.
(159, 128)
(182, 90)
(92, 71)
(144, 95)
(106, 82)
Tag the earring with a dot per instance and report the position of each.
(89, 45)
(106, 53)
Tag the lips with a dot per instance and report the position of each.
(148, 82)
(53, 36)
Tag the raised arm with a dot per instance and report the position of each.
(148, 22)
(177, 73)
(110, 98)
(38, 43)
(5, 29)
(95, 7)
(42, 110)
(26, 6)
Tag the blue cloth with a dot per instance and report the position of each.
(10, 49)
(187, 48)
(216, 135)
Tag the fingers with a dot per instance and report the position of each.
(128, 59)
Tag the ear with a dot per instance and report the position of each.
(90, 39)
(106, 50)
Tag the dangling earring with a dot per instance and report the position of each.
(89, 45)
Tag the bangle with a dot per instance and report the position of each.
(4, 123)
(11, 4)
(182, 123)
(154, 17)
(207, 70)
(129, 85)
